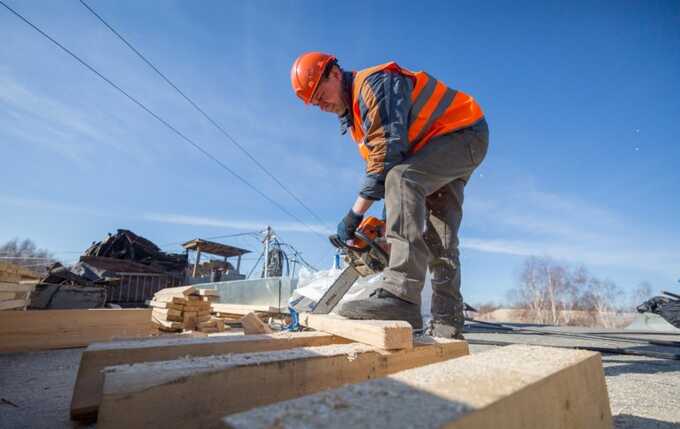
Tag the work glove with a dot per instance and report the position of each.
(348, 225)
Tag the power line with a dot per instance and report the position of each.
(216, 237)
(202, 112)
(159, 119)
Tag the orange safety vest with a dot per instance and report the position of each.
(435, 108)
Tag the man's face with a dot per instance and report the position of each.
(328, 95)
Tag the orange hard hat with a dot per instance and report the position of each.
(306, 73)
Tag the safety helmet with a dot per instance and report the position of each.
(306, 73)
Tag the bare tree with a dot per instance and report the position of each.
(640, 294)
(604, 297)
(544, 289)
(530, 295)
(26, 254)
(555, 293)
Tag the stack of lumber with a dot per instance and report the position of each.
(16, 285)
(185, 308)
(233, 313)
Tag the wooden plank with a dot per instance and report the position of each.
(178, 291)
(208, 292)
(4, 296)
(52, 329)
(12, 304)
(90, 380)
(169, 298)
(515, 387)
(15, 287)
(10, 277)
(168, 324)
(386, 334)
(253, 325)
(167, 314)
(23, 273)
(245, 309)
(182, 393)
(164, 305)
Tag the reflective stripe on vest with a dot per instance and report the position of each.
(435, 110)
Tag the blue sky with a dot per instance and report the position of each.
(582, 98)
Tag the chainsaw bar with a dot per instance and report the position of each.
(337, 290)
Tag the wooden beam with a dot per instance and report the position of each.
(515, 387)
(15, 287)
(23, 273)
(242, 309)
(177, 291)
(386, 334)
(198, 261)
(197, 392)
(4, 296)
(253, 325)
(53, 329)
(90, 380)
(14, 303)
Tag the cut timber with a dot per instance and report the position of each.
(178, 291)
(88, 388)
(208, 292)
(9, 269)
(52, 329)
(14, 287)
(245, 309)
(175, 316)
(15, 303)
(515, 387)
(9, 295)
(253, 325)
(162, 305)
(167, 324)
(386, 334)
(169, 298)
(167, 312)
(198, 392)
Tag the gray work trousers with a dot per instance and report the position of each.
(424, 205)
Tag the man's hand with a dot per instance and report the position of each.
(348, 225)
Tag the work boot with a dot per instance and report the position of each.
(444, 329)
(382, 305)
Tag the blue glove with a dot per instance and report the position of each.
(348, 225)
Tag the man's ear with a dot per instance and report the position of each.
(336, 72)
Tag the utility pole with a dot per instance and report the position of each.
(266, 251)
(295, 260)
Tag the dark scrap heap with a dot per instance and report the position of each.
(124, 269)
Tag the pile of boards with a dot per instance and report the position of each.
(185, 308)
(16, 285)
(349, 373)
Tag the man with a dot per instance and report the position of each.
(421, 141)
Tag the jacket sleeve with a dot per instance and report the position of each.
(384, 103)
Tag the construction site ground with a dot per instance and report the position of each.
(36, 387)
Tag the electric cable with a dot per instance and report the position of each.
(216, 237)
(201, 111)
(159, 119)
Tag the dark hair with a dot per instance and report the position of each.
(329, 67)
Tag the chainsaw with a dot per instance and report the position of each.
(366, 254)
